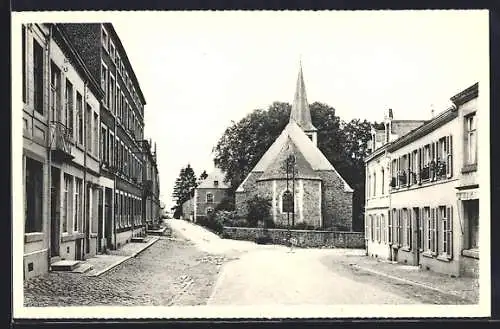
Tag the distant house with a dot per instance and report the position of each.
(209, 193)
(309, 188)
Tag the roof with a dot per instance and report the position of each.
(277, 170)
(300, 108)
(402, 127)
(311, 154)
(216, 175)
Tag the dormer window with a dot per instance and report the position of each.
(216, 183)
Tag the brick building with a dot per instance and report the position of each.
(122, 129)
(61, 117)
(318, 195)
(422, 203)
(206, 196)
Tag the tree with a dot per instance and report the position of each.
(258, 210)
(203, 175)
(183, 188)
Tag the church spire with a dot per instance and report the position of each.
(300, 108)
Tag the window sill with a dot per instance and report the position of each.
(428, 254)
(72, 237)
(472, 253)
(33, 237)
(469, 168)
(444, 258)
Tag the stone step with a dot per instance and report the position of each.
(83, 268)
(138, 239)
(64, 265)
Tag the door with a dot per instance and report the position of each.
(108, 228)
(99, 221)
(55, 234)
(417, 224)
(87, 220)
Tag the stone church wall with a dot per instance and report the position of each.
(337, 204)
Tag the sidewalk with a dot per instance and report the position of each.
(103, 263)
(463, 287)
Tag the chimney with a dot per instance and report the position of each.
(432, 111)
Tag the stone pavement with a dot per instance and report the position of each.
(103, 263)
(463, 287)
(170, 272)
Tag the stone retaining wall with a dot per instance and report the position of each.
(304, 238)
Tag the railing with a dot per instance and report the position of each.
(61, 138)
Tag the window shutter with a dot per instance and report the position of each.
(449, 162)
(420, 164)
(408, 178)
(450, 230)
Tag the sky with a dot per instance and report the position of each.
(199, 71)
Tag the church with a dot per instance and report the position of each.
(302, 185)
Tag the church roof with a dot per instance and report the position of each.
(277, 169)
(300, 108)
(310, 153)
(216, 175)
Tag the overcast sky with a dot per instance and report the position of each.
(201, 70)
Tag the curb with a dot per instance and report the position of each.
(149, 244)
(414, 283)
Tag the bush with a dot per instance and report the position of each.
(226, 204)
(258, 210)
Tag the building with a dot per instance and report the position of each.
(122, 130)
(297, 177)
(151, 209)
(429, 215)
(61, 117)
(206, 196)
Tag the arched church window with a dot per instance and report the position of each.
(287, 202)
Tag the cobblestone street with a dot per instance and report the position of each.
(170, 272)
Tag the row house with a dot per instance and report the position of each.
(151, 197)
(121, 132)
(61, 119)
(422, 203)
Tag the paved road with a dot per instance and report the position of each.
(274, 275)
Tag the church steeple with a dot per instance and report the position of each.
(301, 114)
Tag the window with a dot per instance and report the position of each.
(104, 39)
(216, 183)
(118, 103)
(111, 92)
(68, 108)
(446, 227)
(103, 147)
(384, 228)
(38, 76)
(210, 198)
(287, 202)
(78, 205)
(383, 182)
(79, 114)
(372, 228)
(209, 211)
(111, 148)
(470, 139)
(431, 230)
(389, 227)
(88, 129)
(397, 226)
(367, 227)
(34, 196)
(471, 211)
(368, 187)
(55, 92)
(374, 184)
(419, 213)
(378, 228)
(24, 60)
(67, 202)
(96, 134)
(112, 50)
(104, 83)
(407, 224)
